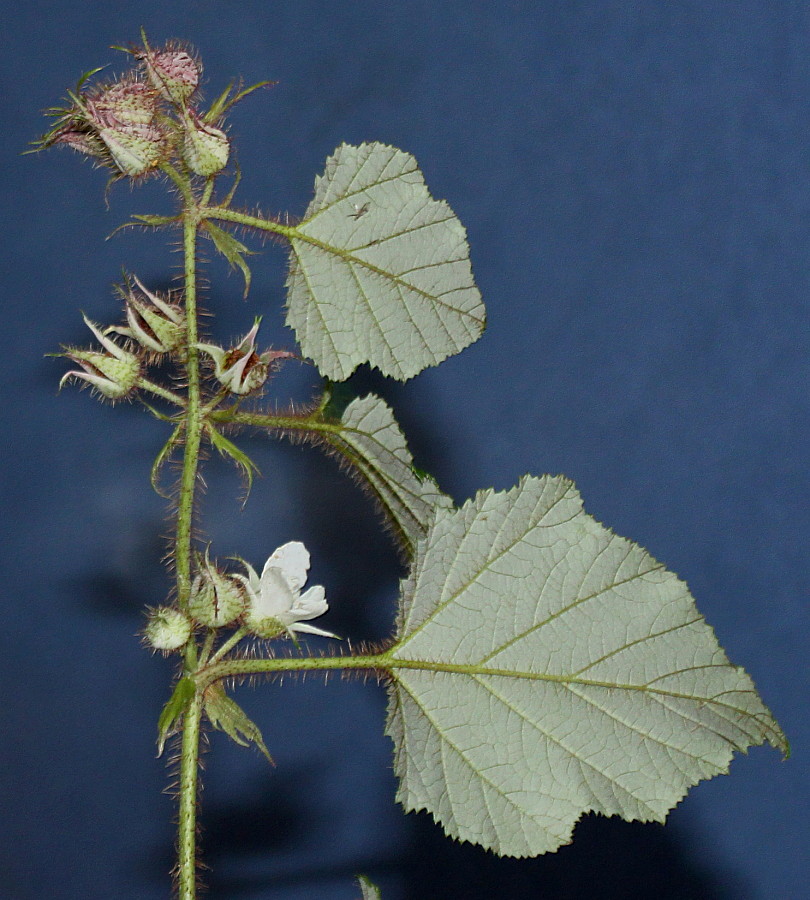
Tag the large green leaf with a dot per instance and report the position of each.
(546, 667)
(368, 890)
(371, 442)
(380, 271)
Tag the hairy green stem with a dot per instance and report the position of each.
(261, 420)
(187, 819)
(237, 667)
(240, 218)
(232, 641)
(161, 391)
(180, 182)
(188, 477)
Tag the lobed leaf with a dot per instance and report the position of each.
(373, 444)
(546, 667)
(380, 271)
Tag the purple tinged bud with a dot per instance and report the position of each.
(81, 141)
(173, 71)
(126, 102)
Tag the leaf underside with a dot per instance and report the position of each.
(379, 270)
(546, 668)
(371, 442)
(368, 890)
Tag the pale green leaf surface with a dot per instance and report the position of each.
(380, 271)
(371, 441)
(368, 890)
(547, 667)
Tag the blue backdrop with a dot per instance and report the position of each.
(635, 180)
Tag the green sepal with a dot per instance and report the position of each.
(226, 202)
(232, 249)
(157, 413)
(369, 890)
(222, 104)
(144, 221)
(161, 458)
(227, 715)
(228, 448)
(154, 220)
(175, 709)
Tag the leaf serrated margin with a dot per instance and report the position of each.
(489, 708)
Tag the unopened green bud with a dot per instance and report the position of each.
(205, 147)
(155, 323)
(113, 374)
(216, 598)
(167, 629)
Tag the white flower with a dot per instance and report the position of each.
(275, 601)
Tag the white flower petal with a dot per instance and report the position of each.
(293, 560)
(275, 597)
(310, 604)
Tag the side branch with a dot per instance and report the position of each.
(280, 423)
(235, 668)
(248, 221)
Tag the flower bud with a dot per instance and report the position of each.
(114, 373)
(80, 140)
(135, 149)
(126, 102)
(216, 599)
(154, 323)
(241, 369)
(173, 71)
(205, 147)
(167, 629)
(122, 116)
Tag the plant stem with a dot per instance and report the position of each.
(261, 420)
(188, 478)
(236, 667)
(240, 218)
(187, 819)
(161, 391)
(232, 641)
